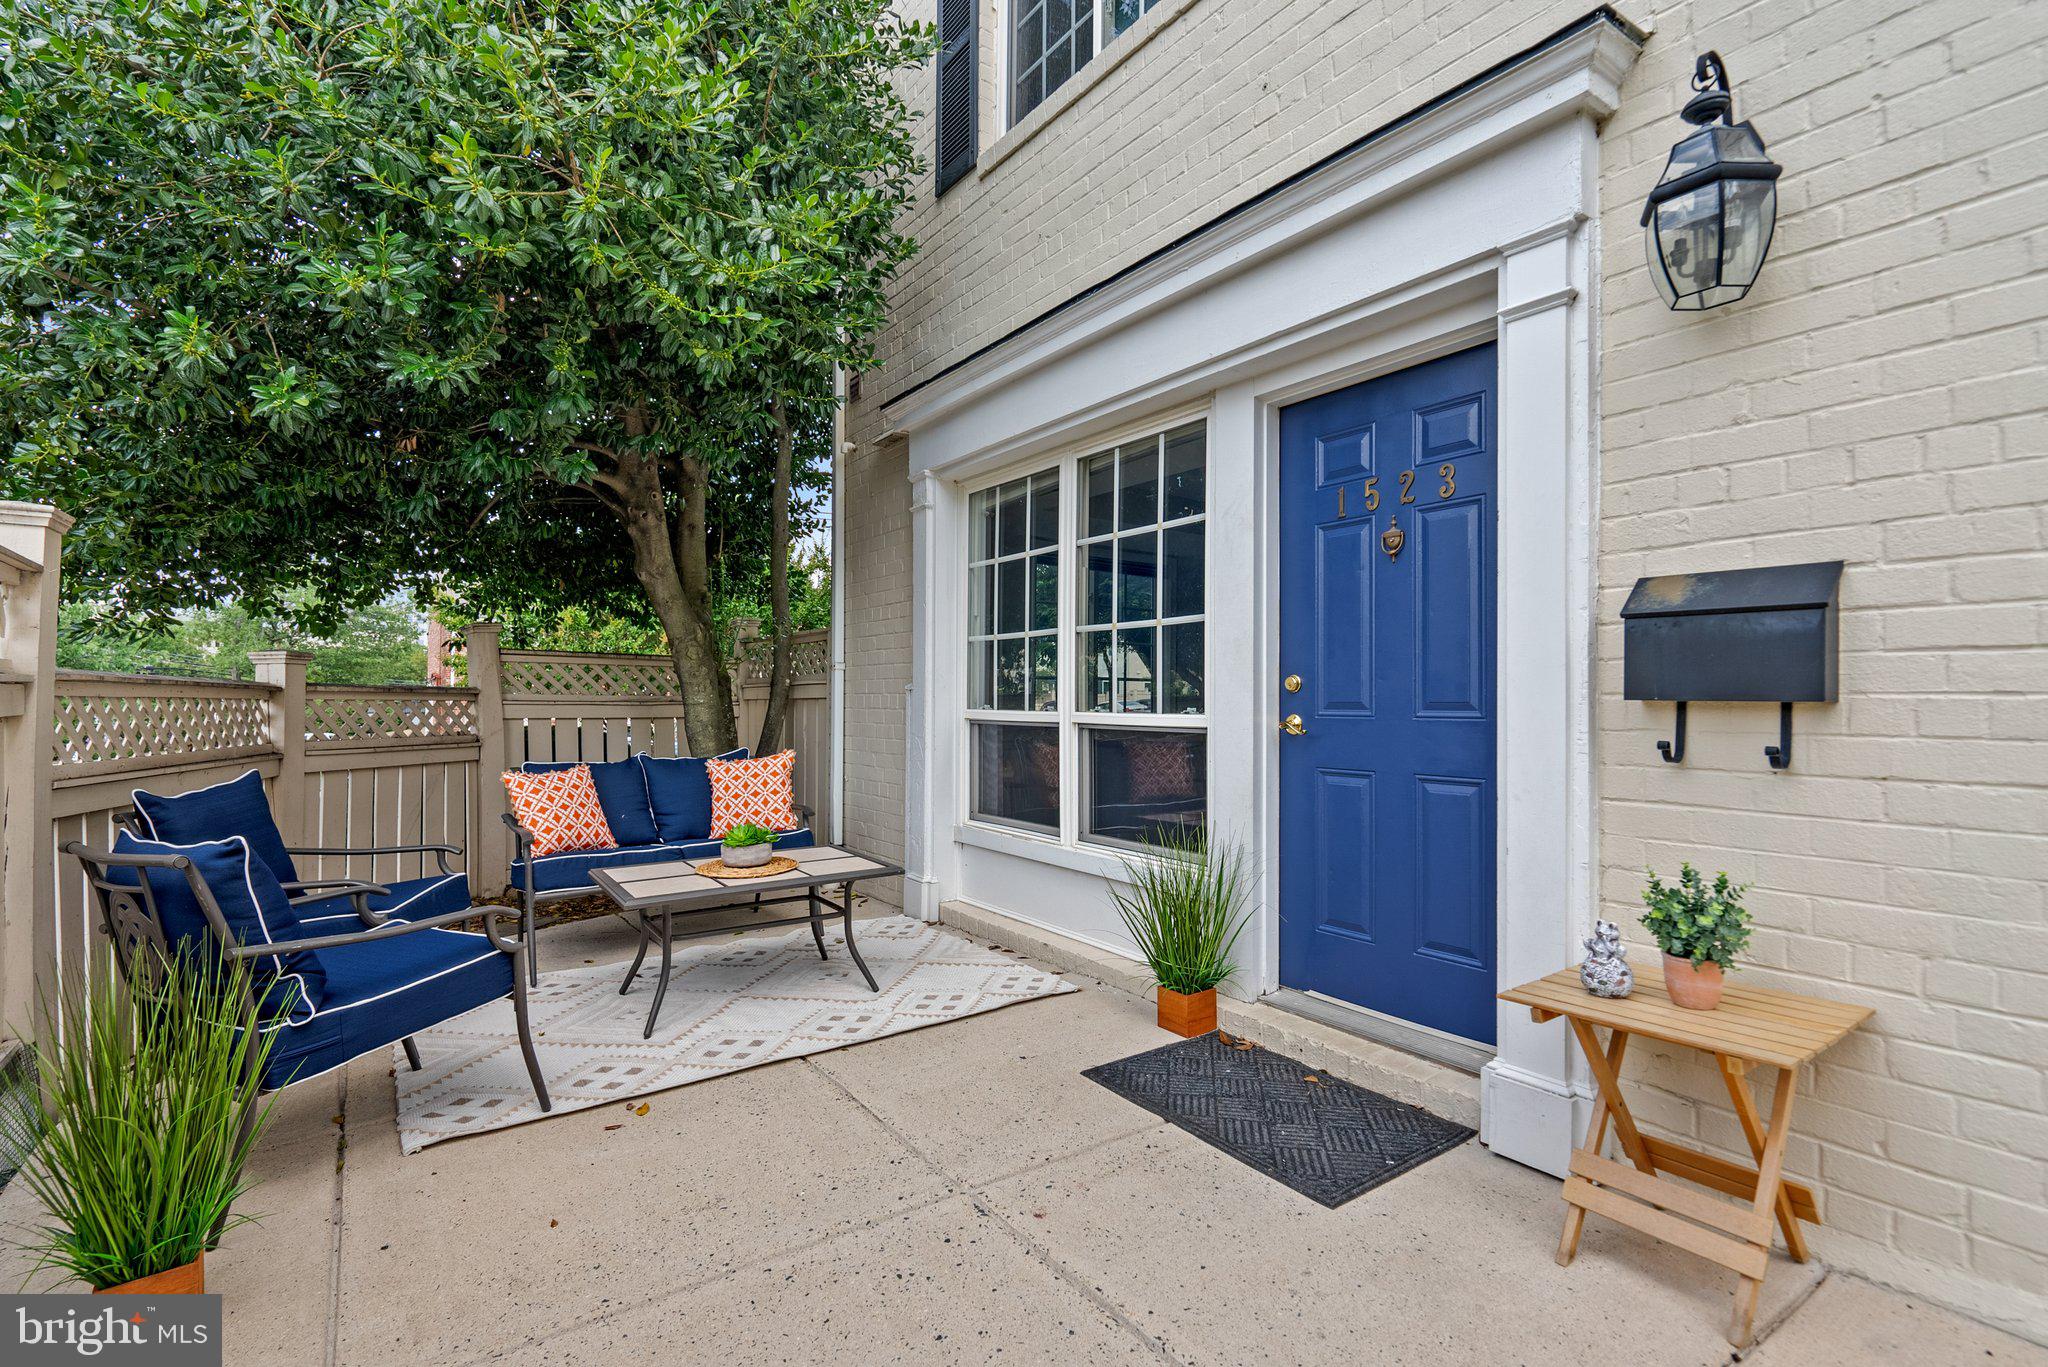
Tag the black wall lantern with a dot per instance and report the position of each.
(1709, 220)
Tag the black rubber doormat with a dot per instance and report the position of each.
(1324, 1137)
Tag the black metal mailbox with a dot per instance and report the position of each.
(1765, 635)
(1762, 635)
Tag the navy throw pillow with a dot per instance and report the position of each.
(238, 807)
(250, 900)
(621, 792)
(680, 791)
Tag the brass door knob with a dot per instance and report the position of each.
(1292, 725)
(1292, 683)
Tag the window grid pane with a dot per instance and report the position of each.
(1142, 564)
(1144, 785)
(1051, 41)
(1013, 595)
(1016, 775)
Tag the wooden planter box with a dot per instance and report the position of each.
(186, 1279)
(1187, 1015)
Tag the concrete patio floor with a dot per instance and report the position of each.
(960, 1194)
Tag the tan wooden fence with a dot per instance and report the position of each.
(346, 766)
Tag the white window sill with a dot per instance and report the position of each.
(1080, 83)
(1044, 849)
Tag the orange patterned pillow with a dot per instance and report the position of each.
(753, 790)
(560, 807)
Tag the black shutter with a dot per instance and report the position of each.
(956, 136)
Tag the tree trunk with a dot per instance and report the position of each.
(700, 664)
(778, 589)
(672, 565)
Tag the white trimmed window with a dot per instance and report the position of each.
(1050, 40)
(1113, 670)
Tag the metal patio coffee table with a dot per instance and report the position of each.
(659, 893)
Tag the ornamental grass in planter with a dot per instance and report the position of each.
(1700, 929)
(152, 1105)
(1185, 907)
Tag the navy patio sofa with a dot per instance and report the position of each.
(658, 809)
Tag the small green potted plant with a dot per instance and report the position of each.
(1185, 908)
(152, 1106)
(747, 846)
(1700, 929)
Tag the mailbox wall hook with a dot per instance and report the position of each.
(1780, 755)
(1673, 750)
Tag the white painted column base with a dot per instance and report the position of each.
(1529, 1117)
(921, 897)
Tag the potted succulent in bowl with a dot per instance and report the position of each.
(747, 846)
(1700, 929)
(1185, 908)
(152, 1105)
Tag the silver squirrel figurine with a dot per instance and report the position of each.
(1605, 971)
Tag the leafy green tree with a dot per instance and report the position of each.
(580, 629)
(375, 644)
(376, 294)
(743, 595)
(810, 593)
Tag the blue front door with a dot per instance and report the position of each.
(1386, 619)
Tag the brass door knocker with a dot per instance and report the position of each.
(1393, 539)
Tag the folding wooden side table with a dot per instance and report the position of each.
(1754, 1027)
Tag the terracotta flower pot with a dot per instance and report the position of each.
(1187, 1014)
(1696, 987)
(186, 1279)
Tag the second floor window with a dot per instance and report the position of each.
(1053, 39)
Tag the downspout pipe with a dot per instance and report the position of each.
(836, 685)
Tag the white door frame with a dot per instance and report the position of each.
(1476, 220)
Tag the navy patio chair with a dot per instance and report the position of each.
(328, 997)
(254, 900)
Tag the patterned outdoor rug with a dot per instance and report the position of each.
(1322, 1136)
(731, 1004)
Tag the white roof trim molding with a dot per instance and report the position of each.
(1577, 75)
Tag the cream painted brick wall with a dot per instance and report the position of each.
(1882, 397)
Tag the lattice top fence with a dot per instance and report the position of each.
(809, 657)
(537, 674)
(117, 721)
(104, 723)
(338, 716)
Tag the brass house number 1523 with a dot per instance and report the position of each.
(1393, 538)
